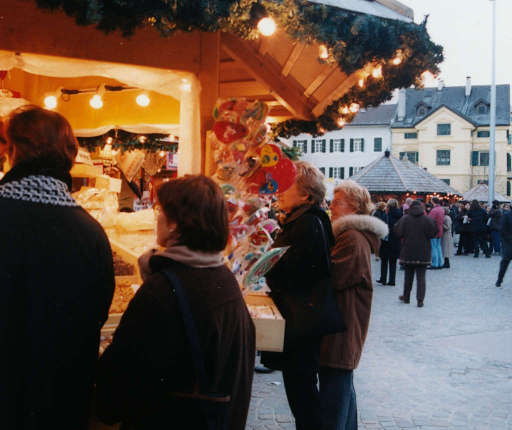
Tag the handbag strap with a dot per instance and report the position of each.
(190, 328)
(327, 253)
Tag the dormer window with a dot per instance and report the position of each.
(481, 108)
(422, 109)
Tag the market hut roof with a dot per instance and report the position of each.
(388, 174)
(481, 193)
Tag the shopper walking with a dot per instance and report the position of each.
(465, 245)
(150, 357)
(390, 245)
(506, 238)
(56, 279)
(447, 239)
(478, 220)
(357, 236)
(416, 230)
(307, 230)
(495, 215)
(437, 215)
(380, 212)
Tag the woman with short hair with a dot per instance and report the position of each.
(149, 357)
(306, 229)
(56, 278)
(357, 237)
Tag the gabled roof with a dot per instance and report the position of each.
(389, 174)
(423, 118)
(381, 115)
(390, 9)
(481, 193)
(454, 98)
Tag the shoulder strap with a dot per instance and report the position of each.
(190, 328)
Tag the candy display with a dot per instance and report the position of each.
(250, 169)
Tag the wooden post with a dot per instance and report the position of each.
(209, 71)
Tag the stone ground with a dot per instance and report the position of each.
(447, 365)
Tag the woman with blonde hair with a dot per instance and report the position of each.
(357, 237)
(306, 229)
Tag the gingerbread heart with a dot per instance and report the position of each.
(229, 132)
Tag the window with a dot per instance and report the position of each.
(377, 144)
(481, 108)
(318, 145)
(410, 135)
(508, 188)
(509, 162)
(444, 129)
(350, 171)
(483, 133)
(337, 172)
(412, 156)
(356, 145)
(479, 158)
(302, 144)
(337, 145)
(443, 157)
(509, 141)
(447, 181)
(322, 169)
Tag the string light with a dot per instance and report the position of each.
(96, 102)
(354, 108)
(50, 102)
(397, 60)
(161, 153)
(340, 122)
(323, 53)
(267, 26)
(377, 72)
(142, 139)
(142, 100)
(344, 110)
(109, 140)
(361, 83)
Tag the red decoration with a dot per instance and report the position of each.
(229, 132)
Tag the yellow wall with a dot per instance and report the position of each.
(119, 108)
(461, 142)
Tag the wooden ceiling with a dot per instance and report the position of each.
(286, 74)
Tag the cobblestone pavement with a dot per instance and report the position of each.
(447, 365)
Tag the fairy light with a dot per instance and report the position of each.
(142, 100)
(361, 83)
(109, 140)
(50, 102)
(142, 139)
(345, 110)
(397, 60)
(377, 72)
(161, 153)
(354, 108)
(96, 102)
(323, 53)
(340, 122)
(267, 26)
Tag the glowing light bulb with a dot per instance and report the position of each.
(323, 53)
(142, 139)
(267, 26)
(361, 83)
(109, 140)
(161, 153)
(354, 108)
(340, 122)
(142, 100)
(345, 110)
(50, 102)
(96, 102)
(397, 60)
(377, 72)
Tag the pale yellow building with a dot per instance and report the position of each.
(446, 131)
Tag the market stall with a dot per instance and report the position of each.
(480, 192)
(313, 66)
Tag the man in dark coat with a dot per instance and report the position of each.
(416, 229)
(56, 282)
(506, 252)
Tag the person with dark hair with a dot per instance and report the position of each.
(495, 215)
(478, 220)
(437, 215)
(416, 229)
(506, 237)
(390, 245)
(150, 357)
(56, 278)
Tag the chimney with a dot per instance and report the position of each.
(468, 86)
(440, 85)
(401, 104)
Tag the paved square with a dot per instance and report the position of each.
(447, 365)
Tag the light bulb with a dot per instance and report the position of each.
(50, 102)
(142, 100)
(267, 26)
(323, 53)
(361, 83)
(96, 102)
(162, 153)
(354, 108)
(345, 110)
(397, 60)
(142, 139)
(377, 72)
(340, 122)
(109, 140)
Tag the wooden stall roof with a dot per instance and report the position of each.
(481, 193)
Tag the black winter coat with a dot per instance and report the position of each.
(56, 285)
(393, 244)
(416, 229)
(506, 235)
(478, 220)
(301, 266)
(495, 214)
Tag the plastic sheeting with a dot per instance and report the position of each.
(182, 86)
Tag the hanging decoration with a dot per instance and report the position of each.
(126, 141)
(394, 53)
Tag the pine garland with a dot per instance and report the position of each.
(126, 141)
(353, 40)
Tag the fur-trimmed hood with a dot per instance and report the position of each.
(362, 223)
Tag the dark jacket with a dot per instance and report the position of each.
(357, 237)
(296, 272)
(416, 229)
(57, 281)
(495, 214)
(391, 247)
(149, 355)
(381, 215)
(506, 235)
(460, 226)
(478, 220)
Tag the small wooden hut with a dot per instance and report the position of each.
(481, 193)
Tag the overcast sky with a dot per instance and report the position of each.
(464, 29)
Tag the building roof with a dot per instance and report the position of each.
(454, 98)
(390, 9)
(381, 115)
(481, 193)
(391, 175)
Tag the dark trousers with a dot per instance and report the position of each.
(338, 397)
(421, 284)
(303, 397)
(465, 243)
(386, 261)
(503, 268)
(480, 242)
(496, 240)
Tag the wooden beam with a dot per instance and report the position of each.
(337, 93)
(292, 59)
(319, 80)
(264, 70)
(278, 111)
(242, 89)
